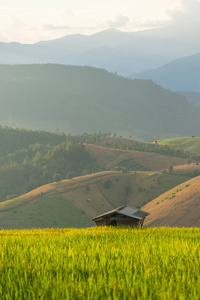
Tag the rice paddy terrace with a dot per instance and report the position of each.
(100, 263)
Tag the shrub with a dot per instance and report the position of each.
(69, 175)
(107, 184)
(195, 173)
(170, 169)
(57, 177)
(127, 190)
(87, 188)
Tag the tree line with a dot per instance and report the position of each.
(25, 165)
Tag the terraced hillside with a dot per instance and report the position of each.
(73, 203)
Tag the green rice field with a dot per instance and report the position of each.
(100, 263)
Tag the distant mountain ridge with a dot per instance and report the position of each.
(122, 52)
(179, 75)
(84, 99)
(191, 96)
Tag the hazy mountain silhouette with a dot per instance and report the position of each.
(179, 75)
(84, 99)
(113, 50)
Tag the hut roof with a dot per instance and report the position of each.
(127, 211)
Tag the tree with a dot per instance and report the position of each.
(69, 175)
(127, 190)
(124, 169)
(195, 173)
(170, 169)
(87, 188)
(107, 184)
(57, 177)
(85, 172)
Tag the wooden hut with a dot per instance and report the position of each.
(122, 216)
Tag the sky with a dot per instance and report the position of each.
(30, 21)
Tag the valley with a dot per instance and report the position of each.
(100, 150)
(122, 177)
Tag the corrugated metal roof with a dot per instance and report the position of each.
(140, 213)
(109, 212)
(128, 211)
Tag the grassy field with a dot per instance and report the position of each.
(100, 263)
(187, 144)
(52, 210)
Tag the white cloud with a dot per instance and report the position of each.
(186, 14)
(55, 27)
(119, 21)
(56, 19)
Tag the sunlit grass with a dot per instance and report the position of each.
(100, 263)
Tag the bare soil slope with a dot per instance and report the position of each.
(154, 161)
(179, 207)
(187, 169)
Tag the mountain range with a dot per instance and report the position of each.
(116, 51)
(84, 99)
(180, 75)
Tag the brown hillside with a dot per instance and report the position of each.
(179, 207)
(187, 169)
(61, 187)
(131, 188)
(92, 202)
(109, 157)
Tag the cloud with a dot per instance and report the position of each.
(119, 21)
(186, 14)
(54, 27)
(31, 25)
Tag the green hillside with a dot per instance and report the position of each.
(189, 145)
(191, 96)
(36, 165)
(52, 210)
(85, 99)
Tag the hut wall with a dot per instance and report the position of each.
(101, 222)
(133, 222)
